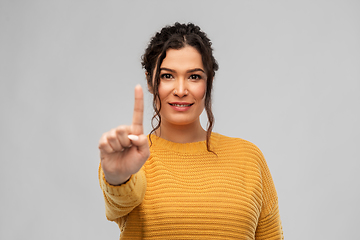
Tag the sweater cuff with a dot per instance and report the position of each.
(134, 184)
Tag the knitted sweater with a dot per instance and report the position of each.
(185, 192)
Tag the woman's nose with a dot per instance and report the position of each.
(180, 88)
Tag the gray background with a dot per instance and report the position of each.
(289, 81)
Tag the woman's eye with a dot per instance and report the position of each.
(166, 76)
(195, 77)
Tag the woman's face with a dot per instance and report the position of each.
(182, 86)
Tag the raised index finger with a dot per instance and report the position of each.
(137, 123)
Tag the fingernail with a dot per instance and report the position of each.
(133, 137)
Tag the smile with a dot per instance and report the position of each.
(180, 105)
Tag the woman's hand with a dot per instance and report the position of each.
(125, 149)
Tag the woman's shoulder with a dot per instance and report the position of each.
(234, 144)
(226, 140)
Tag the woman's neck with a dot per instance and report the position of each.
(182, 133)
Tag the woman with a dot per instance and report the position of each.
(181, 181)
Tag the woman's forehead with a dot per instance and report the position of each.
(182, 59)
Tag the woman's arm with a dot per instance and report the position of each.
(123, 152)
(121, 200)
(269, 224)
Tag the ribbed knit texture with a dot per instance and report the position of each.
(185, 192)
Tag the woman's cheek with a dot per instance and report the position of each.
(202, 91)
(165, 88)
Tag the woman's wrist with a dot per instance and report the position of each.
(123, 182)
(117, 182)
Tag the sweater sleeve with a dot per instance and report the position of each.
(269, 225)
(121, 200)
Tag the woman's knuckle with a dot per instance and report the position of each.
(121, 129)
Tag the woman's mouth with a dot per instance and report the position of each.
(180, 104)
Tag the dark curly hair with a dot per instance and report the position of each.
(177, 37)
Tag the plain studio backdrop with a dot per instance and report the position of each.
(289, 81)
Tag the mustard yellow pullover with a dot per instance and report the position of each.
(185, 192)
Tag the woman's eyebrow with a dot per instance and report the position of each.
(189, 71)
(196, 70)
(167, 69)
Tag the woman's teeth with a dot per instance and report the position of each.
(180, 105)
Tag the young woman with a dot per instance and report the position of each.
(181, 181)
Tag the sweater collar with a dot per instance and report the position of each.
(184, 148)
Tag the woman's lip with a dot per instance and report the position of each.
(180, 107)
(180, 103)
